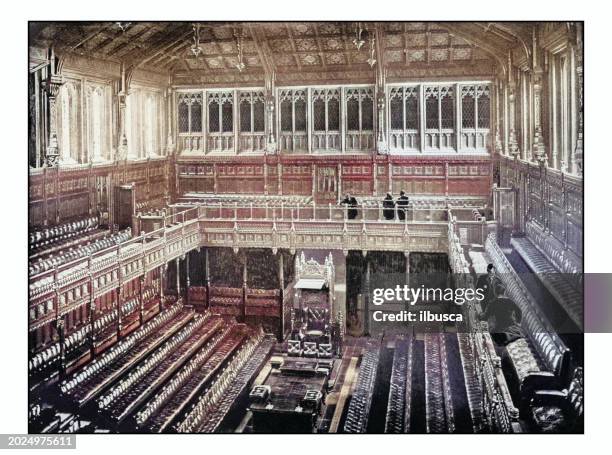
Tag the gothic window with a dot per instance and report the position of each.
(431, 109)
(96, 123)
(300, 115)
(484, 108)
(196, 116)
(286, 116)
(326, 109)
(183, 117)
(352, 114)
(252, 112)
(333, 114)
(475, 105)
(367, 112)
(411, 108)
(259, 115)
(319, 114)
(447, 108)
(213, 117)
(360, 109)
(468, 103)
(228, 119)
(149, 124)
(66, 125)
(189, 113)
(220, 112)
(404, 108)
(396, 111)
(245, 115)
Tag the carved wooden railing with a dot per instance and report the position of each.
(299, 226)
(404, 140)
(490, 402)
(359, 141)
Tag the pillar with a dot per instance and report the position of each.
(51, 87)
(538, 139)
(271, 146)
(577, 163)
(512, 143)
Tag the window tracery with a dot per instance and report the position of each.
(293, 123)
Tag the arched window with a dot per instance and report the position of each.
(150, 116)
(96, 123)
(65, 141)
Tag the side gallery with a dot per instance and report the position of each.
(416, 316)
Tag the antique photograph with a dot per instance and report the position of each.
(305, 227)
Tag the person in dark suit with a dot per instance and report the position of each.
(389, 207)
(489, 284)
(402, 206)
(351, 203)
(504, 318)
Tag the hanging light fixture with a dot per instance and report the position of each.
(240, 66)
(359, 41)
(372, 60)
(196, 49)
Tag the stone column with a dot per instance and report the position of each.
(538, 140)
(498, 142)
(381, 142)
(577, 160)
(52, 86)
(271, 146)
(512, 143)
(123, 143)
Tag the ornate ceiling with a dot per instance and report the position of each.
(292, 50)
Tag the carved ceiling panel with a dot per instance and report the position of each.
(291, 49)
